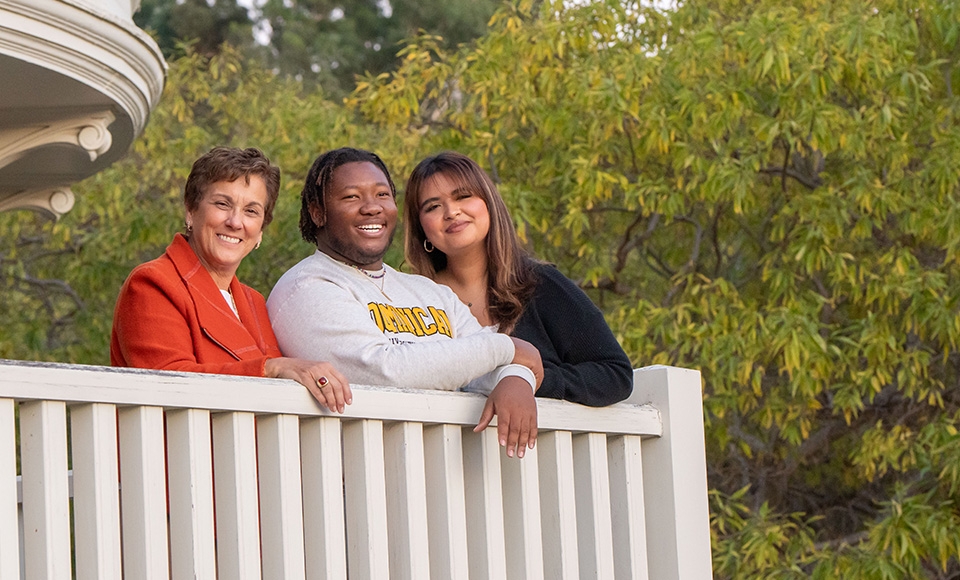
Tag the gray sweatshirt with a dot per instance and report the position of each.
(410, 332)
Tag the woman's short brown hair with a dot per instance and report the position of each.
(230, 164)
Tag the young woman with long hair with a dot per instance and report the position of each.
(458, 232)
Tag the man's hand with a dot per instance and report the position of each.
(513, 403)
(527, 355)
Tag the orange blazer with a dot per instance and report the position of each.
(170, 315)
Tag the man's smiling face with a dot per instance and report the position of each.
(358, 217)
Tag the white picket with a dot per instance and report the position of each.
(446, 512)
(235, 485)
(521, 516)
(143, 494)
(558, 506)
(9, 517)
(46, 511)
(324, 534)
(484, 497)
(368, 553)
(190, 483)
(96, 491)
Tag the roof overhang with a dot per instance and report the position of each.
(79, 81)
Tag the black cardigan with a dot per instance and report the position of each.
(582, 360)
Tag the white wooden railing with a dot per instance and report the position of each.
(179, 475)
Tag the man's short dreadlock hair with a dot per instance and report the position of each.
(319, 178)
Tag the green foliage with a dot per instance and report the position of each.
(329, 41)
(206, 24)
(320, 42)
(763, 190)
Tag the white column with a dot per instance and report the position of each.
(521, 515)
(446, 511)
(368, 553)
(46, 513)
(406, 486)
(675, 489)
(558, 505)
(190, 476)
(626, 497)
(592, 478)
(484, 496)
(96, 491)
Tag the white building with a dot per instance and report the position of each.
(78, 80)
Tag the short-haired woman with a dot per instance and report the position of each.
(186, 310)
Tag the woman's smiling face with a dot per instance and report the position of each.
(227, 224)
(454, 218)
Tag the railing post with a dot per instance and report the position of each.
(446, 511)
(324, 530)
(235, 488)
(558, 506)
(9, 516)
(365, 496)
(46, 503)
(627, 517)
(406, 500)
(521, 515)
(143, 494)
(592, 480)
(483, 490)
(674, 467)
(96, 495)
(190, 488)
(281, 503)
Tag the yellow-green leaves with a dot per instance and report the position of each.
(764, 190)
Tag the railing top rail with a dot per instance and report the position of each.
(24, 380)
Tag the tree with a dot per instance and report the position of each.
(206, 25)
(320, 42)
(332, 41)
(763, 190)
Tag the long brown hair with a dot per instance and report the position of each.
(510, 270)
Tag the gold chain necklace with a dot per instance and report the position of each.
(380, 275)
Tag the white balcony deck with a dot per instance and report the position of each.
(178, 475)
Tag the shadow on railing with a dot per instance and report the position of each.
(249, 478)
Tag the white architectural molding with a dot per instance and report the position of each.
(88, 132)
(54, 201)
(80, 80)
(99, 48)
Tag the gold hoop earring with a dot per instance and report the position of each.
(431, 248)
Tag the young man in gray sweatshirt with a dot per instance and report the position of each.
(384, 327)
